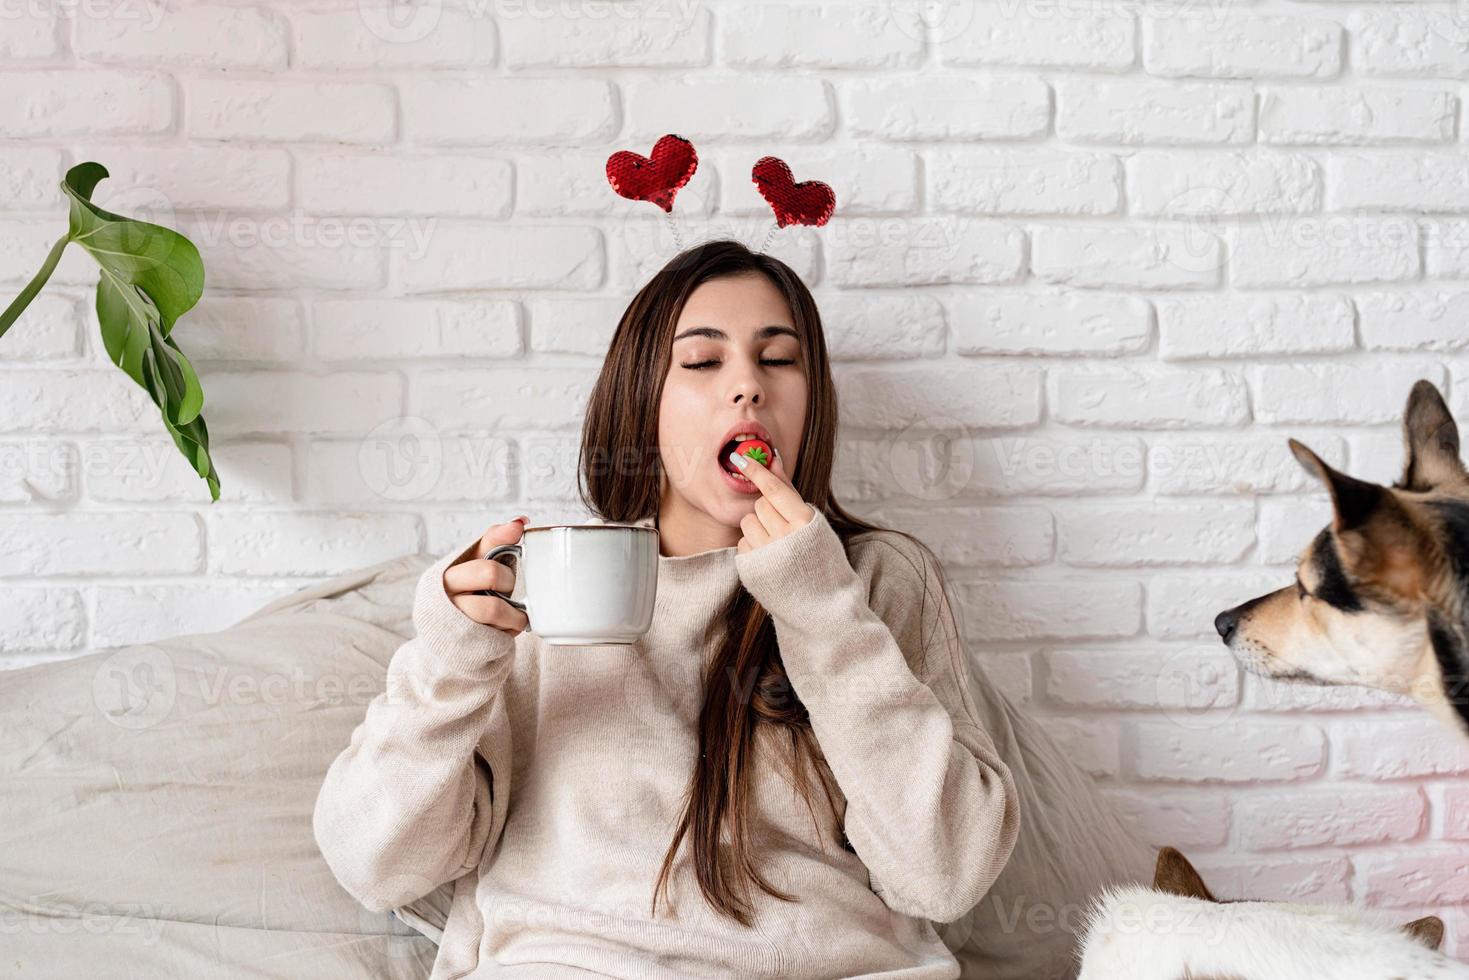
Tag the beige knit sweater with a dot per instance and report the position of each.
(548, 780)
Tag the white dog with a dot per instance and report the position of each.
(1177, 930)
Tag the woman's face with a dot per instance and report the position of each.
(741, 331)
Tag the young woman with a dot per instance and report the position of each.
(785, 777)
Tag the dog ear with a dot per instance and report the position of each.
(1378, 540)
(1174, 875)
(1352, 499)
(1427, 930)
(1430, 442)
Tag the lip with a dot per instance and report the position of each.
(748, 425)
(754, 428)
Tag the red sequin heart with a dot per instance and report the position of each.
(654, 178)
(808, 203)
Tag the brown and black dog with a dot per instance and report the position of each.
(1381, 595)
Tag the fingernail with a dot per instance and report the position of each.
(739, 460)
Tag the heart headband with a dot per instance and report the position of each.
(657, 178)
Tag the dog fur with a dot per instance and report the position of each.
(1178, 930)
(1381, 595)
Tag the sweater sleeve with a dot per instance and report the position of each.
(420, 793)
(932, 810)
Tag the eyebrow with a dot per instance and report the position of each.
(715, 333)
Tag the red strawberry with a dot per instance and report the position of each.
(757, 449)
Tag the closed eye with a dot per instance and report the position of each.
(1301, 592)
(701, 365)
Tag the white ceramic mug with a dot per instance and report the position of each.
(585, 584)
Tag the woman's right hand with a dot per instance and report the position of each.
(465, 579)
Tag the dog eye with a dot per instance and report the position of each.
(1300, 588)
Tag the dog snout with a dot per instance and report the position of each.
(1226, 623)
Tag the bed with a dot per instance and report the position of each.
(156, 813)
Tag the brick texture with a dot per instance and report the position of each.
(1091, 266)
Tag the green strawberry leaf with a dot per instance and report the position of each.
(758, 455)
(151, 276)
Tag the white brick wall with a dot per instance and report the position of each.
(1117, 252)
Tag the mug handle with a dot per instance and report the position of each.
(505, 549)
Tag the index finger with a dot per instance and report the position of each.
(776, 488)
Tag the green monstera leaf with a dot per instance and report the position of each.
(151, 276)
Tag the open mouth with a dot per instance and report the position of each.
(724, 462)
(733, 445)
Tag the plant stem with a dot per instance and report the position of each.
(15, 309)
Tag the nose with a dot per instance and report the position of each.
(746, 387)
(1226, 623)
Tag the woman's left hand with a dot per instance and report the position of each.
(778, 511)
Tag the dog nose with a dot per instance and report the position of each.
(1226, 623)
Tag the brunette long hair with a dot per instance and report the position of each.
(622, 425)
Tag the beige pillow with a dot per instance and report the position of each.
(156, 813)
(1072, 843)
